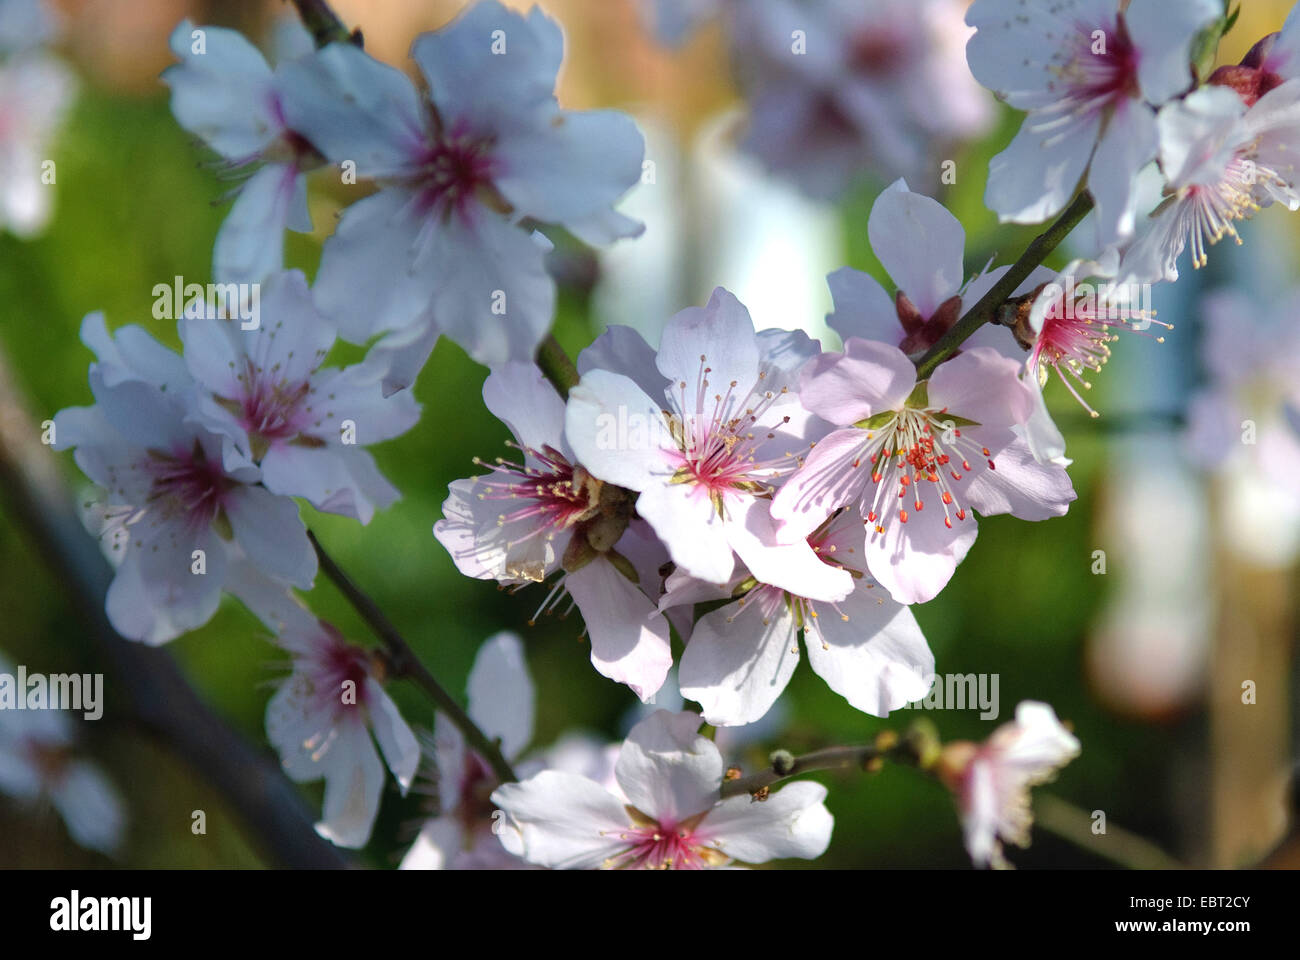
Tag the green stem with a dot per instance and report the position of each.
(985, 309)
(405, 664)
(557, 366)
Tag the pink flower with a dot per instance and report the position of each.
(916, 458)
(669, 815)
(991, 781)
(867, 647)
(527, 520)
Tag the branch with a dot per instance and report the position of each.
(158, 696)
(405, 664)
(557, 366)
(985, 309)
(324, 24)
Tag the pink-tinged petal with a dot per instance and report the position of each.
(343, 480)
(866, 379)
(667, 770)
(272, 534)
(862, 307)
(740, 658)
(212, 354)
(354, 781)
(501, 695)
(1163, 33)
(629, 637)
(133, 613)
(826, 480)
(782, 355)
(793, 567)
(157, 573)
(916, 559)
(1199, 135)
(498, 86)
(792, 822)
(222, 95)
(981, 385)
(272, 603)
(250, 243)
(622, 350)
(564, 821)
(618, 432)
(1036, 175)
(519, 395)
(403, 353)
(708, 348)
(877, 659)
(396, 740)
(486, 549)
(1037, 740)
(690, 526)
(491, 291)
(1019, 484)
(1127, 145)
(132, 353)
(142, 414)
(1043, 437)
(439, 842)
(571, 166)
(920, 245)
(354, 108)
(373, 274)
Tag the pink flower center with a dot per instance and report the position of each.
(188, 484)
(339, 673)
(271, 409)
(455, 168)
(663, 846)
(719, 438)
(1103, 67)
(553, 494)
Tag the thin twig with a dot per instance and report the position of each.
(985, 309)
(405, 664)
(557, 366)
(1116, 845)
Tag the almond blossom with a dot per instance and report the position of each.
(668, 815)
(704, 442)
(439, 248)
(546, 513)
(39, 762)
(326, 718)
(188, 505)
(991, 781)
(305, 425)
(867, 647)
(1222, 161)
(916, 458)
(224, 92)
(1088, 73)
(1268, 64)
(921, 246)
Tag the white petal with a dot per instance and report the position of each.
(792, 822)
(501, 692)
(667, 770)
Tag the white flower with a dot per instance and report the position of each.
(38, 762)
(189, 511)
(1088, 75)
(525, 521)
(326, 717)
(669, 814)
(1221, 161)
(439, 248)
(224, 92)
(306, 426)
(992, 780)
(704, 441)
(501, 704)
(866, 646)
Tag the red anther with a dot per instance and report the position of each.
(947, 497)
(932, 477)
(906, 480)
(955, 474)
(947, 523)
(857, 463)
(871, 516)
(984, 450)
(919, 505)
(965, 465)
(902, 516)
(992, 466)
(961, 514)
(877, 477)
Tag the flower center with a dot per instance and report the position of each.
(653, 845)
(456, 167)
(188, 484)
